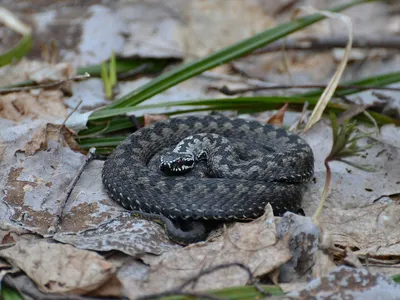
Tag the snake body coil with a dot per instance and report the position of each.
(268, 164)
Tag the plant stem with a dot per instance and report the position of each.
(324, 192)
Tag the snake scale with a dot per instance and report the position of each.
(244, 166)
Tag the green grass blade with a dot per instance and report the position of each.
(227, 54)
(236, 293)
(396, 278)
(377, 80)
(8, 293)
(207, 102)
(124, 65)
(101, 142)
(113, 70)
(17, 52)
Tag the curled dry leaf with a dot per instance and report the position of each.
(58, 268)
(348, 283)
(49, 132)
(253, 244)
(277, 119)
(38, 141)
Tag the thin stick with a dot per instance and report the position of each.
(229, 92)
(66, 119)
(42, 86)
(194, 279)
(54, 226)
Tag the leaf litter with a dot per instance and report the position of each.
(360, 215)
(58, 268)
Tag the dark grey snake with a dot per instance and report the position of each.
(222, 169)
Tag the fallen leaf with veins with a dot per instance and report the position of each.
(372, 229)
(254, 244)
(59, 268)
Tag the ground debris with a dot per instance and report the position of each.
(58, 268)
(348, 283)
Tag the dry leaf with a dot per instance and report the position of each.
(333, 83)
(372, 229)
(324, 259)
(38, 141)
(150, 119)
(50, 132)
(58, 268)
(125, 233)
(349, 283)
(110, 288)
(277, 119)
(52, 72)
(351, 259)
(48, 105)
(254, 244)
(7, 239)
(350, 187)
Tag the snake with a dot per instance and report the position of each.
(186, 171)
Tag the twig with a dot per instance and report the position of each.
(229, 92)
(194, 280)
(42, 86)
(66, 119)
(89, 157)
(313, 44)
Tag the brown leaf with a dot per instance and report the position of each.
(49, 132)
(253, 244)
(277, 119)
(150, 119)
(38, 141)
(7, 239)
(372, 229)
(47, 105)
(59, 268)
(111, 288)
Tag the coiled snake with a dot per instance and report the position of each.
(222, 169)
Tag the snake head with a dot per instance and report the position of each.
(174, 163)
